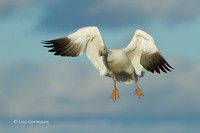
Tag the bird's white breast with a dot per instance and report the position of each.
(119, 62)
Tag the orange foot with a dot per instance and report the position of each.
(138, 92)
(114, 95)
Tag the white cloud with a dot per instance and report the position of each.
(103, 126)
(4, 3)
(64, 89)
(8, 6)
(116, 13)
(150, 8)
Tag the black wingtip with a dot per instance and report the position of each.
(47, 42)
(168, 65)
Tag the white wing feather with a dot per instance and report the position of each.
(141, 42)
(85, 40)
(91, 40)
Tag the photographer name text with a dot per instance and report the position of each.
(31, 122)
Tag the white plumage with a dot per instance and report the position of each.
(90, 40)
(124, 65)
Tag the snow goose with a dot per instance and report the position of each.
(124, 65)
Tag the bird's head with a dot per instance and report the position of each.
(103, 51)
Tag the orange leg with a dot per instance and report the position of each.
(137, 90)
(115, 93)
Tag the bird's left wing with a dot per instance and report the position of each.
(143, 53)
(85, 40)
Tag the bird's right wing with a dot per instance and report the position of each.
(85, 40)
(143, 53)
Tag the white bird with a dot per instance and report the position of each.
(124, 65)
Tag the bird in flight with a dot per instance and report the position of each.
(124, 65)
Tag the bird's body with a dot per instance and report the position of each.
(124, 65)
(124, 69)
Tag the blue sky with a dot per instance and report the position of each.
(69, 93)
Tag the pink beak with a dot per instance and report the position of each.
(100, 53)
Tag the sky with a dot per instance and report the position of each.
(70, 94)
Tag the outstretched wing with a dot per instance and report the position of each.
(85, 40)
(144, 54)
